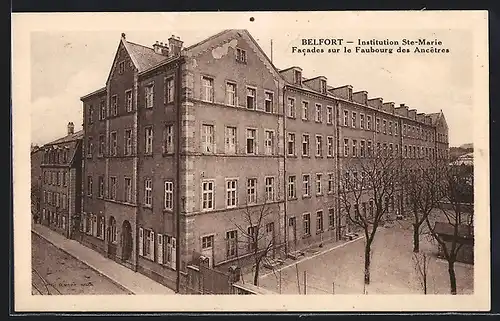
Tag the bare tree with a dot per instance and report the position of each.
(421, 263)
(369, 183)
(258, 235)
(448, 226)
(422, 189)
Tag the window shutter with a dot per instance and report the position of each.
(152, 245)
(174, 255)
(165, 90)
(159, 252)
(141, 241)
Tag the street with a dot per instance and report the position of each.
(55, 272)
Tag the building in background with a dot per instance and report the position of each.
(61, 182)
(251, 136)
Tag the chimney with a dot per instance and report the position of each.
(161, 48)
(175, 45)
(71, 128)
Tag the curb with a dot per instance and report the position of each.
(121, 286)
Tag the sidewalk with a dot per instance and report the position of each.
(132, 281)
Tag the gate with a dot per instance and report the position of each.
(214, 282)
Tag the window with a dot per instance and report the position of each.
(90, 114)
(89, 185)
(241, 55)
(102, 145)
(291, 107)
(113, 143)
(269, 102)
(102, 225)
(322, 83)
(377, 125)
(207, 89)
(64, 180)
(384, 126)
(306, 185)
(291, 144)
(305, 110)
(346, 117)
(169, 196)
(208, 195)
(292, 192)
(102, 110)
(208, 143)
(346, 147)
(90, 147)
(395, 129)
(128, 142)
(331, 218)
(230, 140)
(319, 113)
(362, 148)
(231, 193)
(231, 244)
(128, 100)
(148, 192)
(406, 151)
(231, 94)
(353, 120)
(112, 188)
(58, 177)
(149, 244)
(354, 148)
(128, 190)
(149, 140)
(390, 128)
(121, 67)
(169, 89)
(329, 143)
(330, 182)
(252, 238)
(149, 94)
(368, 122)
(329, 114)
(391, 152)
(169, 251)
(319, 222)
(305, 145)
(269, 142)
(404, 130)
(319, 188)
(251, 101)
(361, 121)
(269, 188)
(114, 105)
(307, 224)
(100, 181)
(251, 141)
(251, 191)
(297, 77)
(319, 145)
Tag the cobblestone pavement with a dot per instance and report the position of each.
(55, 272)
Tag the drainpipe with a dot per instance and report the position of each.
(285, 189)
(177, 205)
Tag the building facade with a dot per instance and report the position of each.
(61, 183)
(185, 147)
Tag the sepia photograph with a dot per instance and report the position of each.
(338, 155)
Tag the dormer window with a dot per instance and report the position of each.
(323, 86)
(121, 67)
(297, 77)
(349, 94)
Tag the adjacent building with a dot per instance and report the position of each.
(182, 143)
(61, 182)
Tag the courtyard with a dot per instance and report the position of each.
(55, 272)
(338, 268)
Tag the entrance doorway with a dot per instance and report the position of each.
(127, 241)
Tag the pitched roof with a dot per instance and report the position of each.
(68, 138)
(142, 56)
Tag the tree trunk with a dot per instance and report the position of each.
(453, 278)
(416, 238)
(367, 264)
(256, 275)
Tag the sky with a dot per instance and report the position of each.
(67, 64)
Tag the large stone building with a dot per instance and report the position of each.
(61, 182)
(181, 143)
